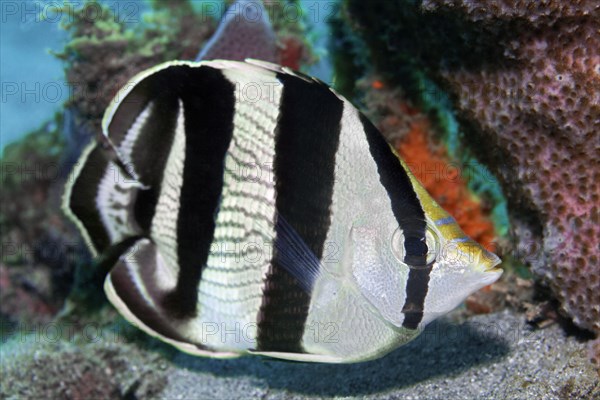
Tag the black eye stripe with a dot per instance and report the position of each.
(415, 246)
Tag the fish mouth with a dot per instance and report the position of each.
(490, 270)
(491, 262)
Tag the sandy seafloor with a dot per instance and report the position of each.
(490, 356)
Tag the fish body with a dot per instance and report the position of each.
(248, 209)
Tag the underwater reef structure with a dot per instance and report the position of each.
(446, 184)
(39, 249)
(111, 367)
(236, 37)
(524, 79)
(103, 53)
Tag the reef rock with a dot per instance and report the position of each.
(524, 77)
(245, 29)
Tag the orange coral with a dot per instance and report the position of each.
(442, 179)
(377, 84)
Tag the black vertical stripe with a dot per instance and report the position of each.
(151, 150)
(82, 201)
(142, 256)
(416, 291)
(410, 217)
(306, 141)
(209, 104)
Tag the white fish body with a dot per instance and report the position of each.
(248, 209)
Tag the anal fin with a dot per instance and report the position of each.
(137, 285)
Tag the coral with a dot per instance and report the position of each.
(524, 78)
(348, 55)
(410, 131)
(104, 365)
(104, 53)
(292, 33)
(595, 353)
(39, 250)
(393, 112)
(244, 31)
(445, 184)
(293, 52)
(352, 62)
(250, 30)
(535, 12)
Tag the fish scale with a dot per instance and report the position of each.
(164, 226)
(126, 146)
(232, 285)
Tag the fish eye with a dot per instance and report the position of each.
(411, 249)
(415, 246)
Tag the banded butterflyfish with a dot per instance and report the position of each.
(248, 209)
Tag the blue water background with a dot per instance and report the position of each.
(26, 67)
(32, 80)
